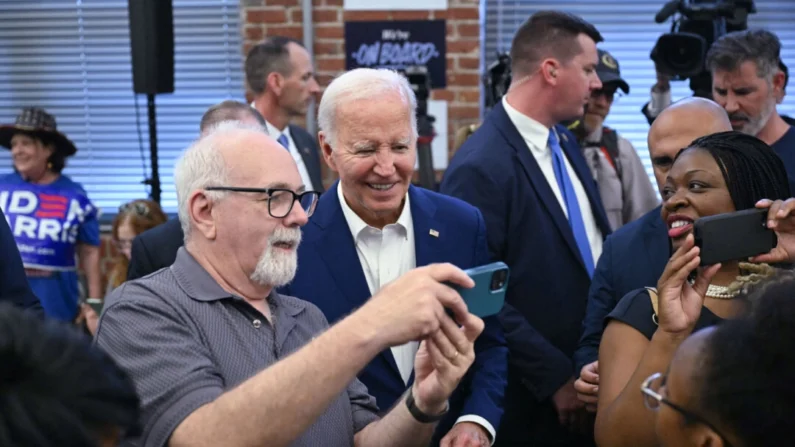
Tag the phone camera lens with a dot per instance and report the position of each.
(498, 279)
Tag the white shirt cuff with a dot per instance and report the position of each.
(659, 101)
(480, 421)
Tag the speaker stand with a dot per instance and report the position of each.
(154, 180)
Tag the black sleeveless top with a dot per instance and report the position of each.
(635, 310)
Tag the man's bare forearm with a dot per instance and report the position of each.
(89, 257)
(398, 428)
(278, 404)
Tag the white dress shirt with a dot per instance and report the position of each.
(385, 255)
(536, 137)
(299, 160)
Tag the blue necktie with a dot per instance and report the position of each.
(570, 199)
(283, 140)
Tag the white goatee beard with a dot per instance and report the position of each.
(276, 268)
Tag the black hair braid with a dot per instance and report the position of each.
(751, 169)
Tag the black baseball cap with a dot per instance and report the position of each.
(609, 72)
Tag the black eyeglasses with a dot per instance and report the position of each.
(280, 200)
(138, 208)
(610, 94)
(652, 399)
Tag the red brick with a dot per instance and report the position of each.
(293, 31)
(450, 30)
(283, 2)
(465, 13)
(296, 15)
(276, 15)
(329, 32)
(326, 15)
(463, 79)
(439, 14)
(466, 46)
(468, 30)
(247, 46)
(469, 96)
(324, 79)
(367, 15)
(254, 33)
(333, 2)
(464, 112)
(468, 63)
(443, 95)
(411, 15)
(328, 47)
(335, 64)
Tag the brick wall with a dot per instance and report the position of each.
(284, 17)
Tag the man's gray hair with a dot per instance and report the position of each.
(363, 84)
(732, 50)
(229, 110)
(202, 165)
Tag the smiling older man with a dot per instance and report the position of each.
(219, 358)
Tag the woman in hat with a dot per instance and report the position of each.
(51, 217)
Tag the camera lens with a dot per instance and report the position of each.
(498, 279)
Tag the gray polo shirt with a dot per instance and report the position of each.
(185, 341)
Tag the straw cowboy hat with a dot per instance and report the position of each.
(36, 121)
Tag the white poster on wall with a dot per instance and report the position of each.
(438, 110)
(393, 5)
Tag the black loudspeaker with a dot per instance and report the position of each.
(152, 45)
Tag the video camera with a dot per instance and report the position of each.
(497, 79)
(682, 53)
(420, 82)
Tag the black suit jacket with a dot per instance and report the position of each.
(310, 152)
(14, 287)
(155, 249)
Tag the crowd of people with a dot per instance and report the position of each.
(274, 311)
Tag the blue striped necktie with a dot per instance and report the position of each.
(570, 199)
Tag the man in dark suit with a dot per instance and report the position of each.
(14, 287)
(157, 248)
(545, 219)
(373, 226)
(635, 255)
(280, 74)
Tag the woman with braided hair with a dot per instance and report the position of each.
(716, 174)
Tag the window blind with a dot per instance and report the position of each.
(72, 57)
(630, 33)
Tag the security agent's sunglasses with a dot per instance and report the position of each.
(280, 200)
(653, 399)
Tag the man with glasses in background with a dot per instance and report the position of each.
(624, 186)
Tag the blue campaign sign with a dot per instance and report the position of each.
(45, 221)
(398, 45)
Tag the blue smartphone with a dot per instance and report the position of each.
(488, 295)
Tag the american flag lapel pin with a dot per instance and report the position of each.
(434, 233)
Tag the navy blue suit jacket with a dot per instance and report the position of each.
(633, 257)
(548, 287)
(14, 287)
(331, 277)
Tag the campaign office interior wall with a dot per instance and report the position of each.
(72, 57)
(630, 33)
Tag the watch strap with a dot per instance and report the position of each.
(419, 415)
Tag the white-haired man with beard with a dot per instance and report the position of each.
(219, 358)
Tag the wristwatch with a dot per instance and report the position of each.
(419, 415)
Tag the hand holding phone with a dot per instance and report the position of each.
(488, 295)
(733, 236)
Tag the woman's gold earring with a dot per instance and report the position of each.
(49, 165)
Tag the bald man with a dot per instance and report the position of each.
(636, 254)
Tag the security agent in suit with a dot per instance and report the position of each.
(544, 219)
(636, 254)
(157, 248)
(280, 74)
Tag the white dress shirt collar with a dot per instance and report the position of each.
(275, 133)
(531, 130)
(357, 225)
